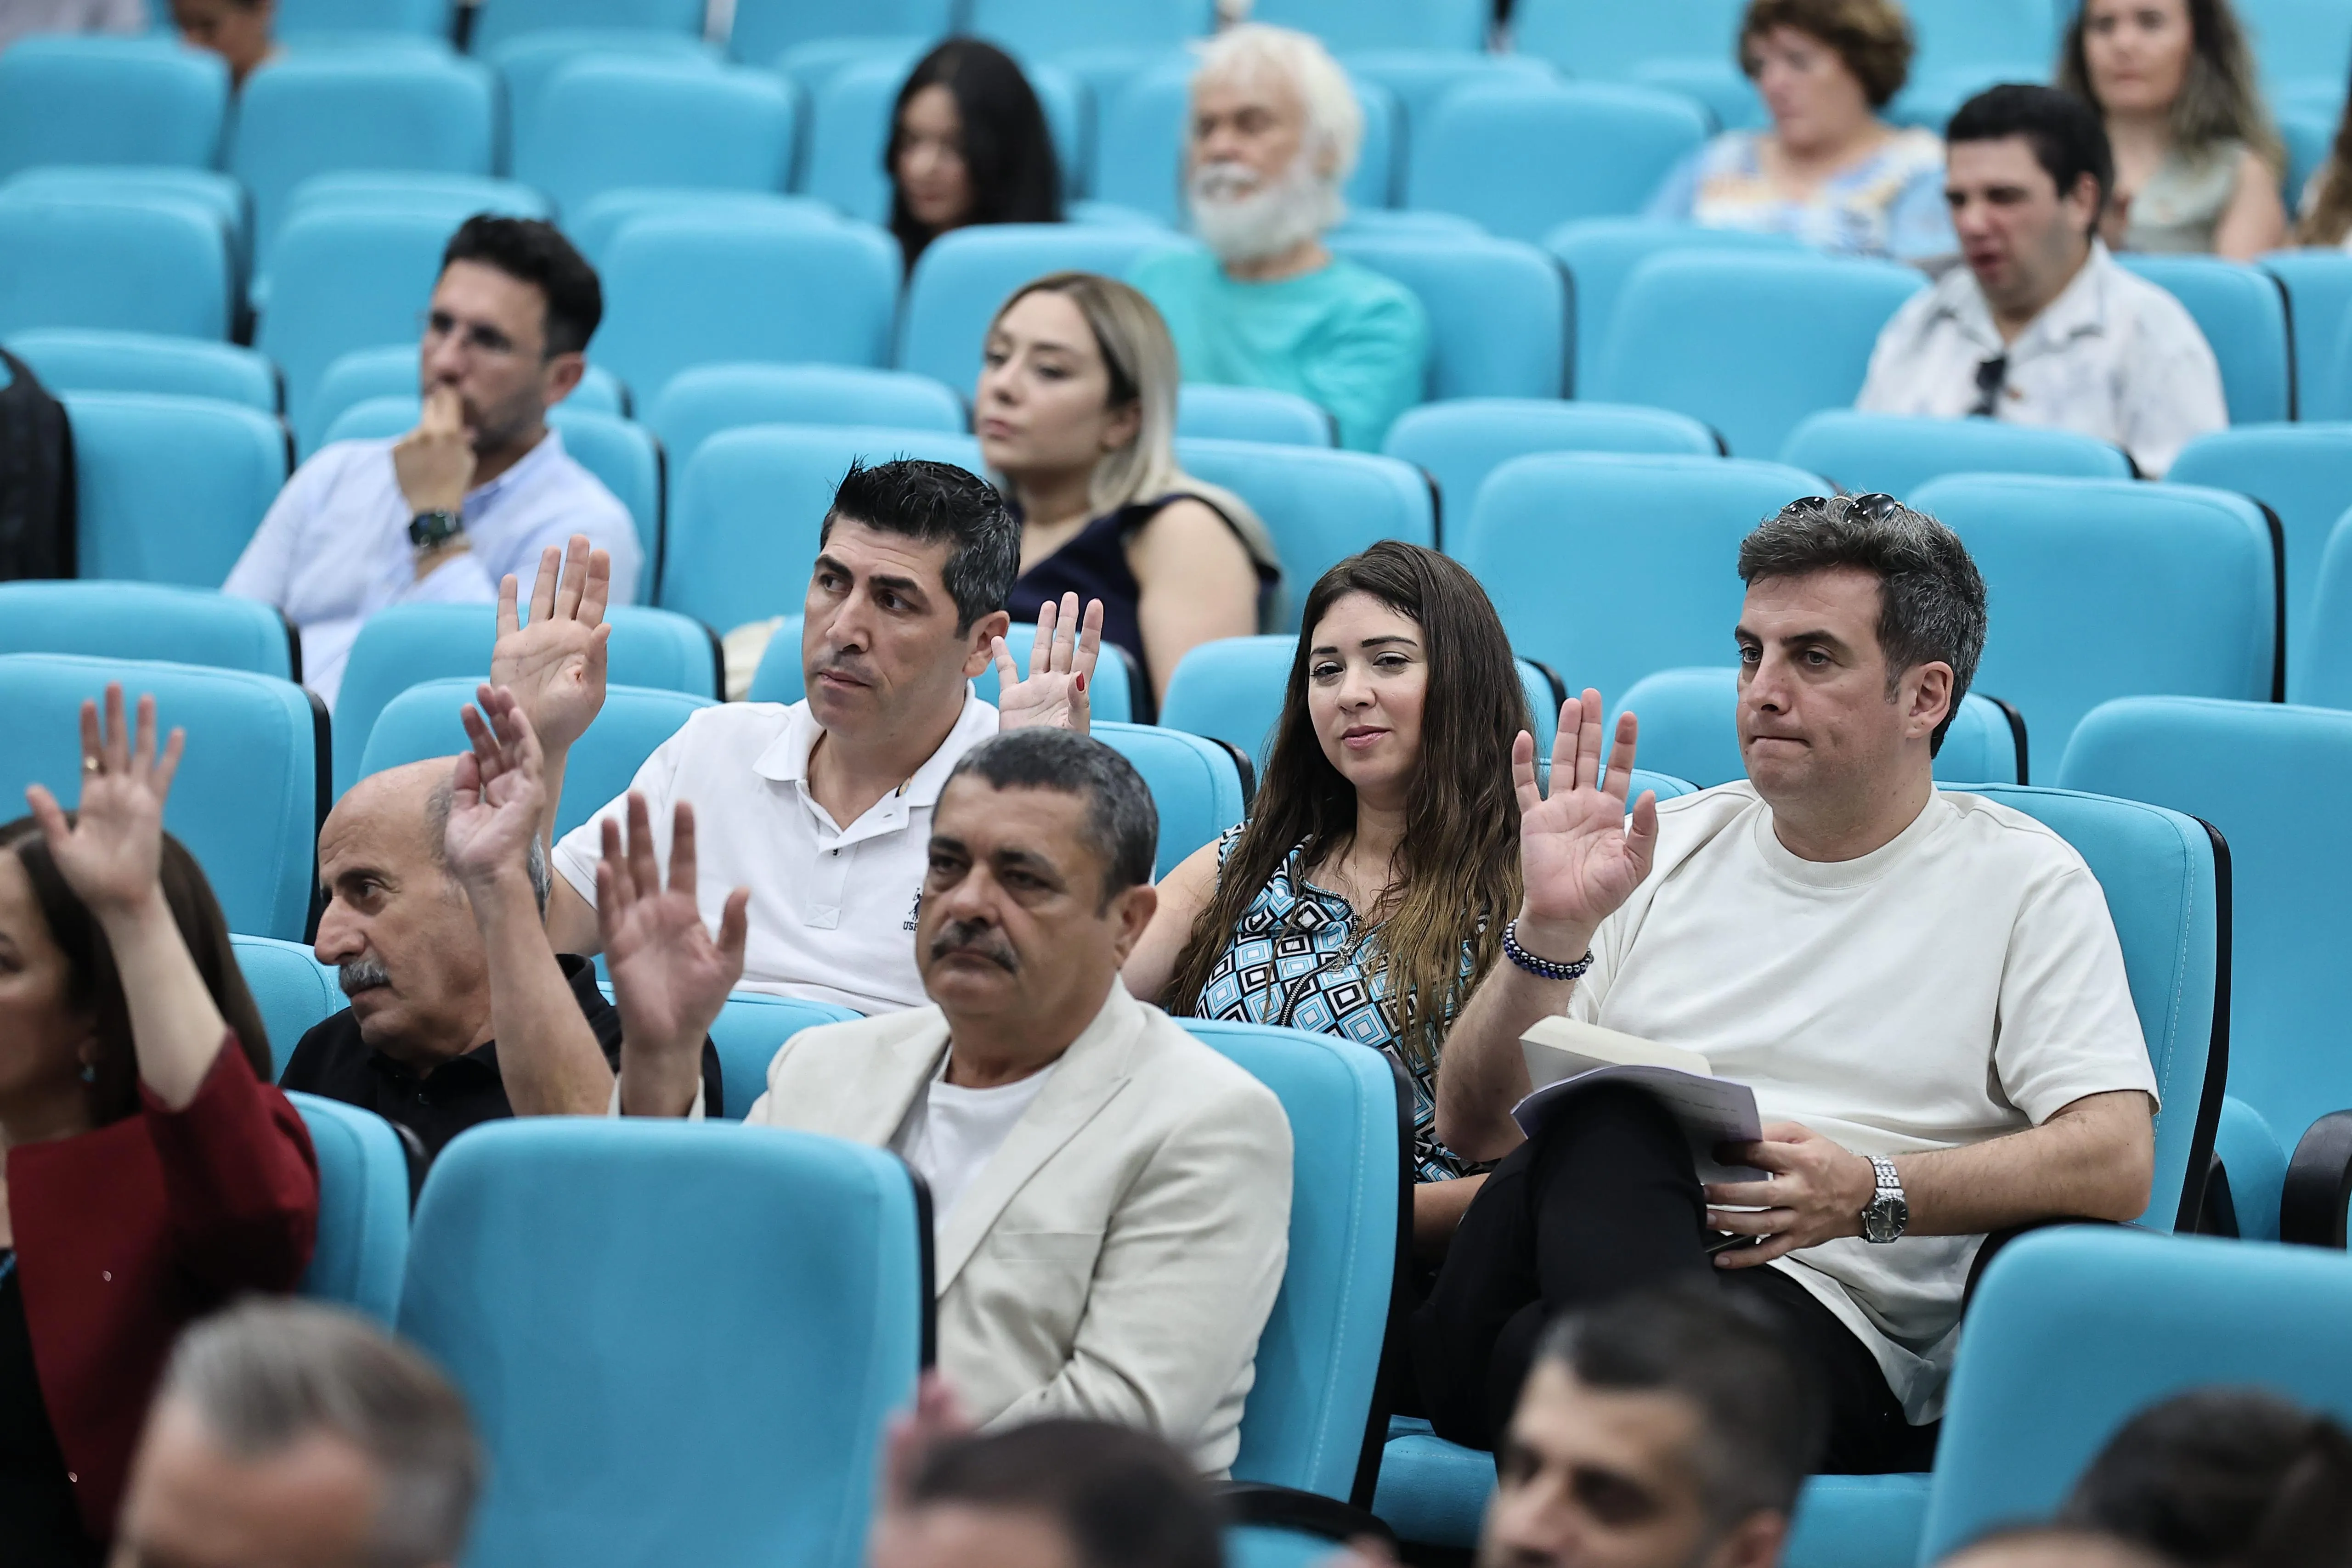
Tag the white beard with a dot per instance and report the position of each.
(1244, 218)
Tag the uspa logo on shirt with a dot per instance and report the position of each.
(915, 910)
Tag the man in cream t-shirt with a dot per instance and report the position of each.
(1925, 977)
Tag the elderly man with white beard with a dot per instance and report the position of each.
(1273, 137)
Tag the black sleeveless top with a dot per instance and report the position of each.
(1093, 565)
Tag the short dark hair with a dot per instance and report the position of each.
(2223, 1476)
(1931, 596)
(2066, 133)
(1122, 823)
(1008, 149)
(1873, 37)
(1761, 1421)
(932, 502)
(537, 252)
(1124, 1499)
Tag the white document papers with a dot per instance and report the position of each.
(1565, 1056)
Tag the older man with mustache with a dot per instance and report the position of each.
(1273, 134)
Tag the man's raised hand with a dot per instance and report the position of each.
(498, 793)
(1581, 854)
(670, 977)
(1061, 670)
(555, 666)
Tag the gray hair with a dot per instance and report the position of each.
(436, 840)
(1122, 824)
(265, 1375)
(1931, 596)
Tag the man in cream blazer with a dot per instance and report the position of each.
(1112, 1197)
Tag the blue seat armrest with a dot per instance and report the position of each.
(2318, 1184)
(1288, 1508)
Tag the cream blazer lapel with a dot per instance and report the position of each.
(1088, 1075)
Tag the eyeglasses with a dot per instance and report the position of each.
(1876, 506)
(1990, 373)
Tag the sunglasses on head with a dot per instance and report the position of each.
(1875, 506)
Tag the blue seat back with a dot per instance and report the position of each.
(501, 20)
(295, 992)
(1320, 506)
(146, 620)
(748, 508)
(1140, 142)
(1458, 442)
(250, 794)
(748, 1032)
(170, 489)
(1690, 728)
(1600, 254)
(850, 128)
(68, 100)
(596, 223)
(1304, 1422)
(2113, 588)
(964, 276)
(2052, 1368)
(766, 28)
(154, 263)
(1862, 452)
(1196, 785)
(1751, 344)
(2241, 310)
(1252, 413)
(2318, 285)
(362, 1238)
(69, 359)
(1616, 142)
(2303, 473)
(698, 403)
(1497, 309)
(2288, 871)
(2325, 667)
(686, 289)
(1665, 532)
(346, 281)
(712, 1392)
(602, 123)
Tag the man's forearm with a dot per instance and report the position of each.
(2094, 1158)
(1481, 1073)
(548, 1056)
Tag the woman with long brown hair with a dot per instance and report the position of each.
(1366, 894)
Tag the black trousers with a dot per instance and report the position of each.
(1603, 1201)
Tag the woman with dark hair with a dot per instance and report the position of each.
(968, 145)
(2198, 164)
(1383, 844)
(152, 1173)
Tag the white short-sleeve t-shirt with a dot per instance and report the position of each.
(1960, 982)
(832, 908)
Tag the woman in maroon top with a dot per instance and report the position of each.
(153, 1172)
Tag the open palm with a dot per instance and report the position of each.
(1056, 692)
(110, 855)
(1579, 854)
(671, 974)
(555, 666)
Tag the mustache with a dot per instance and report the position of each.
(358, 975)
(980, 940)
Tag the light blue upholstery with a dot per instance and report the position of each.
(1459, 442)
(603, 124)
(698, 403)
(424, 20)
(1690, 728)
(2105, 588)
(362, 1238)
(68, 100)
(1609, 146)
(1498, 308)
(2303, 473)
(1140, 142)
(685, 288)
(1320, 506)
(313, 114)
(1035, 26)
(2242, 312)
(1612, 42)
(118, 619)
(249, 797)
(596, 223)
(346, 279)
(745, 514)
(748, 1032)
(1304, 1423)
(501, 20)
(153, 264)
(1252, 413)
(850, 126)
(1663, 532)
(629, 1375)
(1751, 344)
(1863, 452)
(1452, 26)
(2327, 672)
(766, 28)
(170, 489)
(393, 371)
(1600, 254)
(965, 276)
(1113, 699)
(70, 359)
(210, 189)
(1196, 785)
(2318, 285)
(295, 992)
(527, 63)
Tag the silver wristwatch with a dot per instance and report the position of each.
(1888, 1213)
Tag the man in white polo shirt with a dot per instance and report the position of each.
(822, 808)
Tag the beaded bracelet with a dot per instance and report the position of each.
(1542, 969)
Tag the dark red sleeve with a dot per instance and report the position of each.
(240, 1179)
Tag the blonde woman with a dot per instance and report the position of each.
(2197, 163)
(1075, 412)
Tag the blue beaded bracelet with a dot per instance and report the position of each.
(1542, 969)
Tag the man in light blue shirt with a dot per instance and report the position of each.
(479, 489)
(1274, 135)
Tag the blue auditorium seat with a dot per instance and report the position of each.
(1751, 344)
(1435, 27)
(850, 127)
(1497, 309)
(600, 220)
(1320, 506)
(1116, 682)
(647, 1390)
(605, 124)
(526, 63)
(1459, 442)
(118, 619)
(1690, 728)
(1609, 146)
(362, 1238)
(170, 489)
(1661, 533)
(1863, 452)
(394, 370)
(294, 991)
(347, 280)
(2105, 588)
(1600, 254)
(698, 403)
(79, 359)
(155, 264)
(2318, 285)
(499, 21)
(964, 276)
(2241, 310)
(2326, 665)
(68, 100)
(301, 21)
(764, 30)
(1139, 142)
(1252, 413)
(248, 797)
(1196, 784)
(683, 289)
(2303, 473)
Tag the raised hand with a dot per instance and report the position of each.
(1061, 671)
(670, 977)
(110, 855)
(1580, 853)
(555, 666)
(498, 793)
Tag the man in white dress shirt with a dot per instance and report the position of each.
(2041, 327)
(479, 489)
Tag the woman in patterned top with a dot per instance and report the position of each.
(1365, 895)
